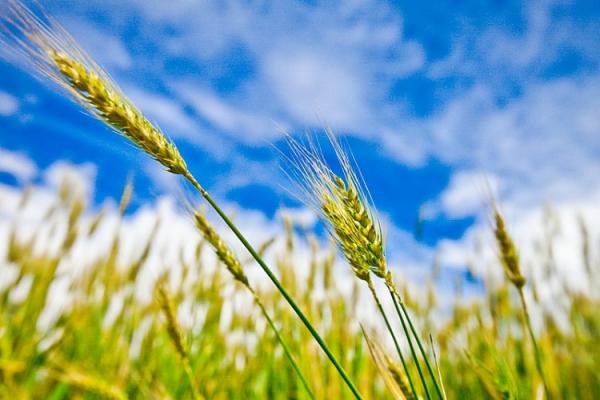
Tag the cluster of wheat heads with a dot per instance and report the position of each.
(482, 349)
(204, 334)
(56, 55)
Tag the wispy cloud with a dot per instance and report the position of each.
(9, 104)
(18, 165)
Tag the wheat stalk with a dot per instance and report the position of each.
(234, 267)
(176, 335)
(345, 209)
(509, 257)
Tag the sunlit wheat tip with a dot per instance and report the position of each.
(226, 256)
(508, 252)
(344, 207)
(54, 54)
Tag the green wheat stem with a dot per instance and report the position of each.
(410, 344)
(283, 343)
(398, 303)
(536, 350)
(391, 331)
(276, 282)
(190, 376)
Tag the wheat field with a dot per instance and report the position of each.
(299, 316)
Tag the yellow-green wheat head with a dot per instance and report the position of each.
(509, 255)
(48, 51)
(343, 206)
(223, 252)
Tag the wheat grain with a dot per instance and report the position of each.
(399, 377)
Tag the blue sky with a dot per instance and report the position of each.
(429, 97)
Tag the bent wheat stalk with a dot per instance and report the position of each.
(234, 267)
(344, 209)
(54, 54)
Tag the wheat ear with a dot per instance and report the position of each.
(509, 256)
(55, 55)
(72, 376)
(399, 377)
(345, 210)
(223, 252)
(176, 335)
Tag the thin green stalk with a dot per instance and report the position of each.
(391, 331)
(277, 284)
(536, 350)
(398, 301)
(286, 349)
(410, 344)
(437, 367)
(190, 375)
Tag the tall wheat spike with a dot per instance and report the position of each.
(345, 209)
(177, 338)
(342, 205)
(509, 257)
(43, 44)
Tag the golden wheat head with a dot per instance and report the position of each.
(50, 52)
(508, 252)
(343, 205)
(223, 252)
(173, 328)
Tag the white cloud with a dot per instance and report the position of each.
(336, 69)
(9, 104)
(166, 112)
(336, 64)
(315, 86)
(102, 44)
(18, 165)
(542, 146)
(80, 178)
(303, 217)
(241, 124)
(467, 194)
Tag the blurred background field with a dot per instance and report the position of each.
(80, 318)
(442, 106)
